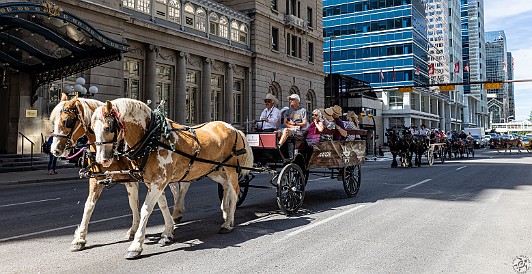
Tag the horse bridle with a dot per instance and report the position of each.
(70, 122)
(114, 127)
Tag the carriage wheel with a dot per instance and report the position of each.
(430, 156)
(243, 183)
(352, 179)
(290, 188)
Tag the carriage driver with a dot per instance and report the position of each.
(270, 118)
(295, 121)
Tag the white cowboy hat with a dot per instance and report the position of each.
(270, 96)
(294, 96)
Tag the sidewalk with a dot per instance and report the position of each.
(38, 176)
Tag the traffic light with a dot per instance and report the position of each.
(447, 88)
(405, 89)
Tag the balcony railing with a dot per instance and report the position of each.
(292, 20)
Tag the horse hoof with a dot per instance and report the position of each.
(164, 241)
(177, 220)
(132, 255)
(77, 247)
(224, 230)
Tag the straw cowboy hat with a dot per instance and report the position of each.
(327, 113)
(337, 110)
(270, 96)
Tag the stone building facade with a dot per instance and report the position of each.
(208, 60)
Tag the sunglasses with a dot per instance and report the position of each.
(267, 101)
(314, 114)
(291, 99)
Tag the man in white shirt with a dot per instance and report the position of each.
(270, 118)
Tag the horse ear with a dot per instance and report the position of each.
(64, 97)
(75, 97)
(109, 106)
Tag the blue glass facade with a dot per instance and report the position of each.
(364, 37)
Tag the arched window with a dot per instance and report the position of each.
(275, 90)
(243, 35)
(174, 10)
(224, 27)
(201, 19)
(213, 23)
(234, 31)
(189, 15)
(311, 100)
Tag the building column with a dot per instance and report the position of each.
(205, 103)
(228, 95)
(180, 98)
(441, 113)
(151, 74)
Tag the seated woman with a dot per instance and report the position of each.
(313, 132)
(332, 121)
(351, 123)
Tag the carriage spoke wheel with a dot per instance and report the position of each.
(243, 183)
(290, 188)
(351, 179)
(430, 156)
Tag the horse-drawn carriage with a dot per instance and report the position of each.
(407, 146)
(335, 159)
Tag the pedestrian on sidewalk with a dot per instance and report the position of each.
(52, 162)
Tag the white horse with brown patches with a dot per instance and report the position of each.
(71, 119)
(177, 153)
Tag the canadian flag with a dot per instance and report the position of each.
(513, 64)
(381, 75)
(466, 68)
(417, 70)
(504, 64)
(457, 67)
(431, 69)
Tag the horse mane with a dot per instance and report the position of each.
(131, 108)
(87, 111)
(57, 111)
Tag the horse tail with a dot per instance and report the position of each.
(247, 158)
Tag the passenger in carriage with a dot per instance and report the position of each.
(333, 122)
(270, 118)
(313, 132)
(295, 120)
(462, 135)
(351, 123)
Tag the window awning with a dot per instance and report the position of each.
(49, 43)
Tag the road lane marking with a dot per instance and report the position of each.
(461, 167)
(31, 202)
(422, 182)
(310, 226)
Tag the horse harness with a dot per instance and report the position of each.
(151, 140)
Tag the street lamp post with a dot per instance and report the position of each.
(330, 70)
(80, 89)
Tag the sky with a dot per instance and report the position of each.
(515, 18)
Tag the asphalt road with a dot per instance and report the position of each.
(463, 216)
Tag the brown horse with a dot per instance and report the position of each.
(507, 144)
(71, 119)
(165, 151)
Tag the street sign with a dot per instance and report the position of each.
(405, 89)
(496, 85)
(447, 88)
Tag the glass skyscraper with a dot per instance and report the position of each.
(496, 70)
(385, 43)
